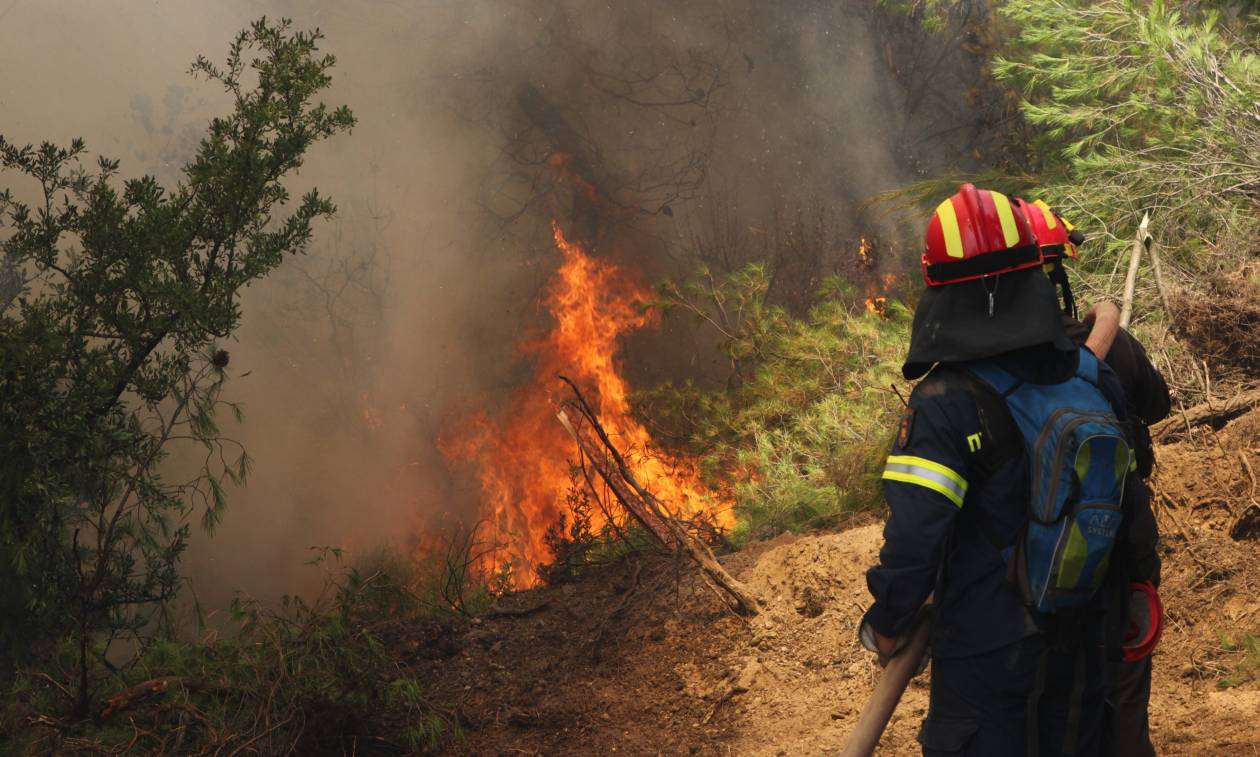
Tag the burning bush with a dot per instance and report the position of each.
(577, 544)
(524, 457)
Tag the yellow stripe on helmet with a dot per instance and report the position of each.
(949, 229)
(1048, 214)
(1051, 218)
(1006, 214)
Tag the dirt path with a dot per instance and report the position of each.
(643, 660)
(807, 676)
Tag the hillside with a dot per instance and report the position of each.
(640, 658)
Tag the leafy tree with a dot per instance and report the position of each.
(11, 282)
(110, 352)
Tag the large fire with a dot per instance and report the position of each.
(524, 458)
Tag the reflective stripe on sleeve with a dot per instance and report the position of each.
(928, 474)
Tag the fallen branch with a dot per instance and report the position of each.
(645, 506)
(1216, 413)
(141, 692)
(1251, 475)
(634, 505)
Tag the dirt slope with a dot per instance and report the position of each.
(1206, 691)
(641, 658)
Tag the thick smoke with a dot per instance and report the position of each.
(668, 134)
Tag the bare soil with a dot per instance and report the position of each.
(640, 658)
(1222, 325)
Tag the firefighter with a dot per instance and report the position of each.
(1006, 679)
(1134, 585)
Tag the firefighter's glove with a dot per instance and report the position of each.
(866, 635)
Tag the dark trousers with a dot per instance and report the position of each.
(1031, 697)
(1126, 730)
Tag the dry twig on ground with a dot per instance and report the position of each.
(1215, 413)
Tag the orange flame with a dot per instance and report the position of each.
(523, 459)
(864, 252)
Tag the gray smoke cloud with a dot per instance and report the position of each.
(716, 130)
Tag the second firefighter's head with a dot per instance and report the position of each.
(1058, 240)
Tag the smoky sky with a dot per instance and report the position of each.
(717, 131)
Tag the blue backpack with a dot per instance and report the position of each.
(1079, 456)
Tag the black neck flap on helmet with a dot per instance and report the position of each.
(983, 318)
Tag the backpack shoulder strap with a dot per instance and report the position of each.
(995, 376)
(1087, 366)
(1090, 369)
(1002, 439)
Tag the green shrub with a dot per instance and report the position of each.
(798, 433)
(578, 545)
(1242, 658)
(315, 677)
(110, 348)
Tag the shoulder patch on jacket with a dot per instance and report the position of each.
(904, 427)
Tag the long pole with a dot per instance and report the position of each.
(1142, 240)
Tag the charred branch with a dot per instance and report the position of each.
(654, 514)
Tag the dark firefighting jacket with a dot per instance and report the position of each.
(1145, 391)
(1147, 402)
(956, 481)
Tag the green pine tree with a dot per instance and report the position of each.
(1142, 106)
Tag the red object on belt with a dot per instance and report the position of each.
(1146, 622)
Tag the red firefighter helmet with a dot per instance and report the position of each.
(976, 233)
(1053, 233)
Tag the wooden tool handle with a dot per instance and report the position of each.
(888, 690)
